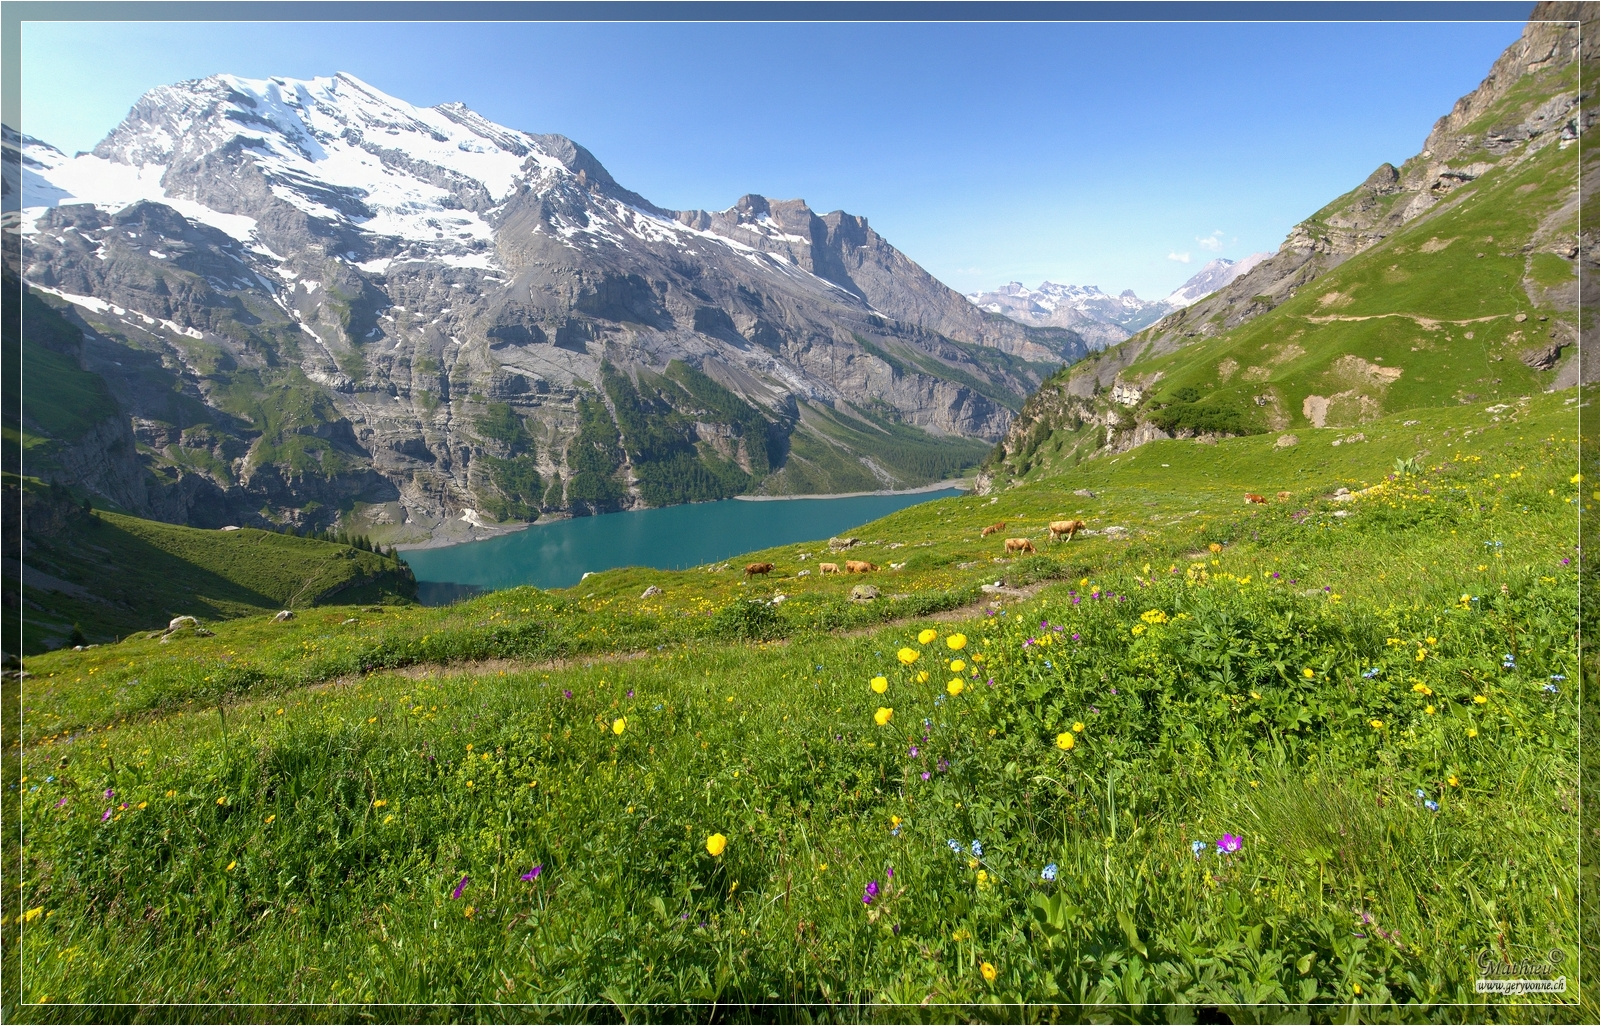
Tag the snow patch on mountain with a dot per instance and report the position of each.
(1216, 274)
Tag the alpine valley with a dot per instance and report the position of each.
(310, 304)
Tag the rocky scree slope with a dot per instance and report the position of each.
(318, 304)
(1458, 277)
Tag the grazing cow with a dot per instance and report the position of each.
(1066, 527)
(752, 569)
(1284, 496)
(828, 568)
(1252, 497)
(1019, 545)
(992, 529)
(858, 566)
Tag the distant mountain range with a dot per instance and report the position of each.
(316, 304)
(1104, 319)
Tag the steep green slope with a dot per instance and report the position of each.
(112, 575)
(1434, 314)
(1454, 279)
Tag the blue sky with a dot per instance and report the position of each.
(1091, 154)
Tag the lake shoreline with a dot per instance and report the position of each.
(938, 486)
(559, 553)
(465, 532)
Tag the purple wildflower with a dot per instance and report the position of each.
(461, 885)
(1075, 637)
(566, 694)
(870, 893)
(1228, 844)
(110, 793)
(630, 692)
(61, 803)
(925, 774)
(105, 816)
(889, 874)
(913, 752)
(532, 874)
(944, 764)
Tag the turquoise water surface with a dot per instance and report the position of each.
(558, 554)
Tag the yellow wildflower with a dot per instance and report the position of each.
(1473, 732)
(883, 715)
(715, 845)
(1453, 781)
(380, 803)
(1429, 709)
(926, 635)
(989, 971)
(1064, 740)
(1214, 547)
(231, 865)
(907, 656)
(1078, 728)
(922, 676)
(1308, 673)
(1479, 700)
(880, 684)
(1376, 724)
(955, 687)
(1422, 688)
(956, 642)
(619, 725)
(957, 666)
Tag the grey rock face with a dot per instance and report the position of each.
(393, 316)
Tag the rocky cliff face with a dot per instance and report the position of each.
(316, 303)
(1531, 99)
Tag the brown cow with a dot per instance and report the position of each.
(992, 529)
(858, 566)
(752, 569)
(828, 568)
(1252, 498)
(1067, 527)
(1284, 496)
(1019, 545)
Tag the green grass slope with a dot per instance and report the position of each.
(1435, 314)
(520, 798)
(114, 575)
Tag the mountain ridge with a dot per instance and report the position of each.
(1457, 278)
(395, 275)
(1100, 318)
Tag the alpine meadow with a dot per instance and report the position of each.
(1251, 677)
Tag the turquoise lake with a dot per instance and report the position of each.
(558, 554)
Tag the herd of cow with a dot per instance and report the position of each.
(1059, 529)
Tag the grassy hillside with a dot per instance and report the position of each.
(113, 575)
(1435, 314)
(1318, 754)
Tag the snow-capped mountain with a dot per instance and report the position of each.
(1211, 277)
(408, 268)
(1101, 318)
